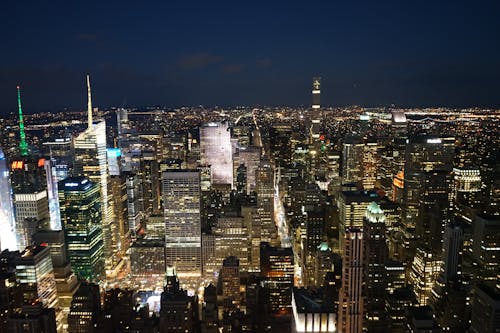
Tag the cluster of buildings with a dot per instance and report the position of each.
(250, 220)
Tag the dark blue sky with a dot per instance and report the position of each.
(373, 53)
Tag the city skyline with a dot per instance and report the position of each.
(439, 54)
(250, 167)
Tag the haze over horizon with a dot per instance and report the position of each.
(173, 54)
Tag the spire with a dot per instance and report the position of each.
(89, 103)
(23, 146)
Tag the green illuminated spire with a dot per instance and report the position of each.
(23, 146)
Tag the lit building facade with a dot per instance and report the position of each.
(351, 301)
(182, 211)
(91, 162)
(81, 215)
(8, 239)
(230, 276)
(148, 262)
(35, 277)
(31, 201)
(277, 270)
(216, 151)
(424, 271)
(376, 253)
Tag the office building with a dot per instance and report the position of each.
(85, 309)
(452, 252)
(216, 151)
(66, 281)
(148, 262)
(181, 202)
(90, 160)
(485, 309)
(135, 208)
(35, 277)
(423, 274)
(8, 239)
(230, 277)
(486, 247)
(31, 201)
(81, 215)
(231, 239)
(427, 185)
(375, 258)
(277, 271)
(250, 158)
(33, 318)
(352, 207)
(351, 300)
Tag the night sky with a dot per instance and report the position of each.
(140, 53)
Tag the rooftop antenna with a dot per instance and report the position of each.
(23, 146)
(89, 103)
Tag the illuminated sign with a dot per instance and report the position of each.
(16, 165)
(114, 152)
(433, 140)
(41, 162)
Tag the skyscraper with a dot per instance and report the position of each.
(66, 281)
(427, 185)
(351, 302)
(182, 212)
(81, 216)
(424, 271)
(374, 269)
(452, 252)
(91, 162)
(316, 92)
(216, 151)
(230, 276)
(35, 276)
(486, 247)
(29, 185)
(277, 270)
(7, 220)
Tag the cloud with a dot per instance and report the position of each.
(197, 61)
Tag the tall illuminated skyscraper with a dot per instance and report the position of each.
(91, 162)
(216, 151)
(81, 216)
(29, 185)
(427, 191)
(374, 269)
(182, 211)
(316, 92)
(315, 115)
(7, 220)
(351, 302)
